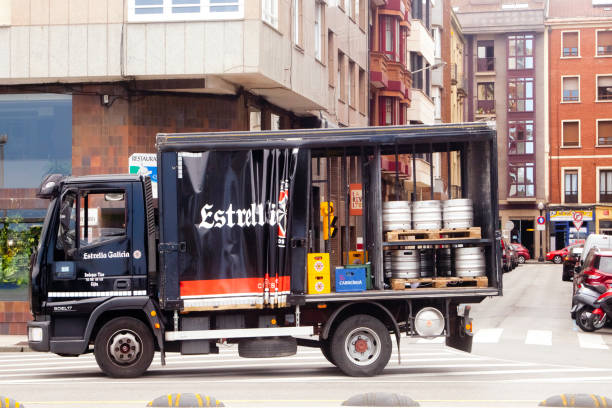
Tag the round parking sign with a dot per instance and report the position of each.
(541, 220)
(577, 217)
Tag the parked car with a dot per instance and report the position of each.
(595, 240)
(596, 269)
(571, 262)
(506, 256)
(521, 252)
(557, 256)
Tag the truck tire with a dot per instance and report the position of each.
(124, 348)
(361, 346)
(267, 347)
(326, 350)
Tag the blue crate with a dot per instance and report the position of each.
(350, 279)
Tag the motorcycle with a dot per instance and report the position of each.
(584, 306)
(603, 305)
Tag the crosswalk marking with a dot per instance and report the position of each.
(488, 336)
(539, 337)
(592, 341)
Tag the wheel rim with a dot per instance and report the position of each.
(521, 259)
(598, 323)
(585, 319)
(557, 259)
(362, 346)
(124, 347)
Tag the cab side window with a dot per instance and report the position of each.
(106, 217)
(66, 233)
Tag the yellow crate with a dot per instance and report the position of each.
(318, 274)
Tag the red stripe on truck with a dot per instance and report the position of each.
(230, 286)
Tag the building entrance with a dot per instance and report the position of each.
(523, 234)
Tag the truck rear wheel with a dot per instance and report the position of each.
(361, 346)
(124, 348)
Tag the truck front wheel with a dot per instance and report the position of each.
(124, 348)
(361, 346)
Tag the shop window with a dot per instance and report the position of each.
(604, 42)
(605, 186)
(570, 183)
(571, 90)
(570, 44)
(520, 95)
(604, 132)
(521, 180)
(604, 88)
(35, 138)
(486, 56)
(570, 133)
(520, 51)
(520, 137)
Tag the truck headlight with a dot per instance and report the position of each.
(35, 334)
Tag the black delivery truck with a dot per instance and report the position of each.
(271, 240)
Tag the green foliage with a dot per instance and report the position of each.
(18, 241)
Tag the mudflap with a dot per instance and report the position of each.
(157, 326)
(460, 335)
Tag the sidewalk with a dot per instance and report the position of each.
(11, 343)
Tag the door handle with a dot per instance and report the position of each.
(122, 284)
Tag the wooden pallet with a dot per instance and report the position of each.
(433, 235)
(453, 282)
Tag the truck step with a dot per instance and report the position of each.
(433, 235)
(437, 283)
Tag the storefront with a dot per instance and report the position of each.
(562, 230)
(603, 215)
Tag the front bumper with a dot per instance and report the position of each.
(38, 335)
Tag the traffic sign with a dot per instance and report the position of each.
(577, 217)
(541, 220)
(541, 223)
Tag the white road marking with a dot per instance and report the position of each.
(435, 340)
(488, 336)
(592, 341)
(539, 337)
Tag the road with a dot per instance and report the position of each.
(526, 348)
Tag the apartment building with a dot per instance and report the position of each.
(506, 70)
(86, 83)
(580, 156)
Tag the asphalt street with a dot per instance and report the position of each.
(526, 348)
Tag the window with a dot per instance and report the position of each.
(605, 186)
(416, 66)
(521, 182)
(254, 120)
(362, 91)
(571, 89)
(318, 31)
(604, 132)
(520, 95)
(35, 138)
(351, 83)
(341, 78)
(570, 133)
(485, 104)
(330, 57)
(269, 12)
(520, 137)
(570, 189)
(486, 56)
(387, 114)
(390, 40)
(349, 8)
(181, 10)
(297, 22)
(274, 121)
(520, 51)
(604, 42)
(604, 88)
(420, 11)
(570, 43)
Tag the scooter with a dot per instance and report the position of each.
(584, 304)
(603, 305)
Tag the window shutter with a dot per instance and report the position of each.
(570, 40)
(570, 134)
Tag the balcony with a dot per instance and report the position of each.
(422, 109)
(378, 70)
(421, 41)
(485, 108)
(485, 64)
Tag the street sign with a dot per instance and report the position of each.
(577, 218)
(541, 223)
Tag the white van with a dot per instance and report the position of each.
(595, 240)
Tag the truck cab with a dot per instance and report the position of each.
(92, 251)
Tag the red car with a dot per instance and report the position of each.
(557, 256)
(521, 252)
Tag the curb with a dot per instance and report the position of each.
(15, 349)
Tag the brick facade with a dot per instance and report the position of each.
(587, 110)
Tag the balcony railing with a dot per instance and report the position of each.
(486, 107)
(571, 198)
(485, 64)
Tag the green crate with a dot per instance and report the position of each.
(368, 266)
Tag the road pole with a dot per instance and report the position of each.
(541, 257)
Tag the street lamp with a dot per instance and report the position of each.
(541, 257)
(431, 67)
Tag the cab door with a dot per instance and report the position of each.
(93, 245)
